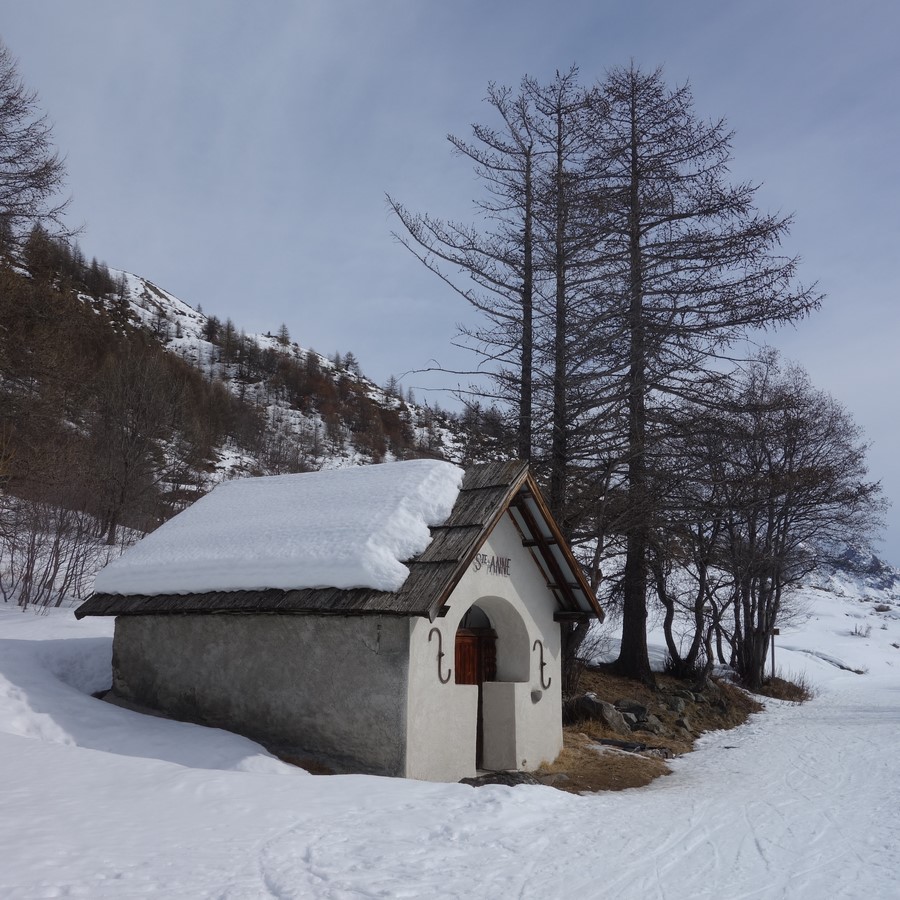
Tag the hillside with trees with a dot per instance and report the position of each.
(121, 404)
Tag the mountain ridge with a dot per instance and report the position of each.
(214, 349)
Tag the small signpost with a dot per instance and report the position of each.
(773, 632)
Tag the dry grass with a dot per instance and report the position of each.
(587, 766)
(795, 689)
(590, 767)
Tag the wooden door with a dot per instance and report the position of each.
(476, 662)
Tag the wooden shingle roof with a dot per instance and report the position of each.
(487, 492)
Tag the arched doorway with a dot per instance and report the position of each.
(476, 662)
(492, 648)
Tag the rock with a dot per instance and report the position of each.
(651, 724)
(676, 704)
(551, 779)
(510, 779)
(683, 734)
(685, 695)
(589, 706)
(628, 746)
(630, 718)
(661, 752)
(614, 720)
(631, 706)
(646, 726)
(683, 723)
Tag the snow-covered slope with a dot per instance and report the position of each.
(860, 573)
(101, 802)
(187, 333)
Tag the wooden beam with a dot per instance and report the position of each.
(528, 543)
(570, 616)
(544, 510)
(543, 545)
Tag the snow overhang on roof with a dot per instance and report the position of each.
(344, 528)
(487, 493)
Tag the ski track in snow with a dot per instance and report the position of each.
(101, 802)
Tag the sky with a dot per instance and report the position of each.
(239, 154)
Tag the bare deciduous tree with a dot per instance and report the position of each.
(31, 172)
(48, 552)
(692, 266)
(794, 494)
(618, 263)
(133, 431)
(772, 484)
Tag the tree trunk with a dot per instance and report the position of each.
(559, 438)
(634, 660)
(573, 636)
(525, 392)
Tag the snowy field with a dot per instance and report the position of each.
(100, 802)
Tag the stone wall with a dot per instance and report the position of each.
(331, 687)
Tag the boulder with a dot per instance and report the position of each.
(552, 779)
(633, 707)
(510, 779)
(651, 724)
(586, 706)
(590, 706)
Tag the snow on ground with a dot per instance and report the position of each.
(102, 802)
(346, 528)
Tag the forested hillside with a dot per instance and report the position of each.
(121, 404)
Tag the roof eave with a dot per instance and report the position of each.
(563, 545)
(467, 559)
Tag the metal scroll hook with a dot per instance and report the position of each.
(540, 644)
(436, 631)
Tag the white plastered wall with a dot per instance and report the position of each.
(522, 720)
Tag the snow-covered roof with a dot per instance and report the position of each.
(344, 528)
(488, 492)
